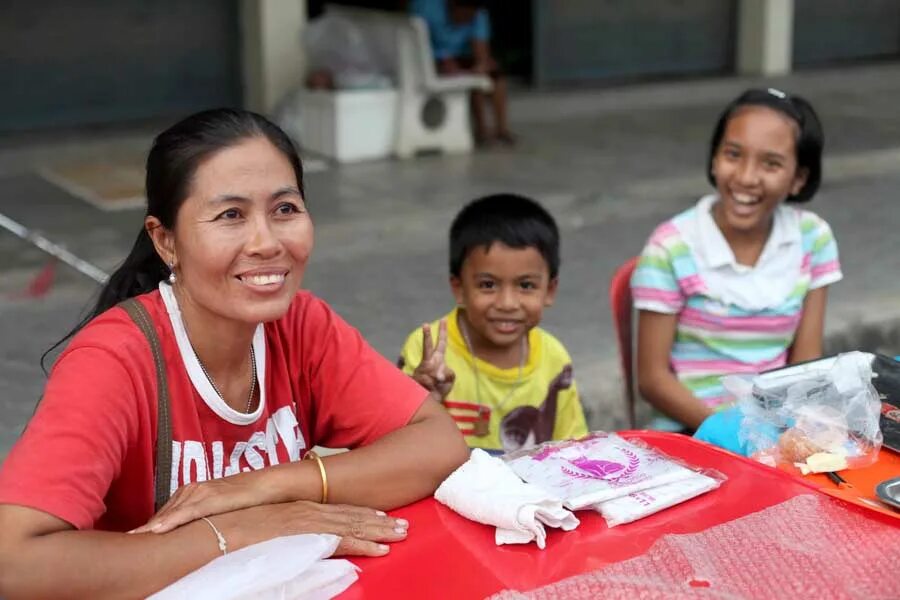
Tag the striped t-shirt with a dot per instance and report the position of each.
(732, 318)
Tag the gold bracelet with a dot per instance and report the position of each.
(223, 545)
(311, 455)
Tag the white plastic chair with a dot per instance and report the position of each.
(433, 111)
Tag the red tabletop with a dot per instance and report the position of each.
(448, 556)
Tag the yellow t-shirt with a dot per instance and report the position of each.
(543, 406)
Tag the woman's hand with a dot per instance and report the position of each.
(197, 500)
(363, 531)
(433, 374)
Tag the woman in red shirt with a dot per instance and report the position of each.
(257, 371)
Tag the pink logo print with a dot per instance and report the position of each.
(597, 469)
(604, 470)
(544, 453)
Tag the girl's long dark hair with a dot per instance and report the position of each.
(172, 162)
(810, 140)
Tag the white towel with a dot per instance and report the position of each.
(486, 490)
(284, 568)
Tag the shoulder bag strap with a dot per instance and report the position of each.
(163, 475)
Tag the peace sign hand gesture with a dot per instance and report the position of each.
(433, 373)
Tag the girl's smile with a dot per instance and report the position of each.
(755, 168)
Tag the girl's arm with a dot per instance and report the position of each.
(808, 339)
(42, 556)
(656, 381)
(401, 467)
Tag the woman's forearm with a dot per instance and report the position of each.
(41, 556)
(402, 467)
(97, 564)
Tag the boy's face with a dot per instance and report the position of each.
(504, 291)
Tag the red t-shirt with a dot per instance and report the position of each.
(87, 456)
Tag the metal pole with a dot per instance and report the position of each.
(82, 266)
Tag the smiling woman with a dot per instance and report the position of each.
(206, 315)
(239, 247)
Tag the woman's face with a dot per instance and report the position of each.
(242, 237)
(755, 168)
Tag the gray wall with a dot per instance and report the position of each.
(591, 40)
(830, 31)
(68, 63)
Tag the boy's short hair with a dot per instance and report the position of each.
(513, 220)
(810, 139)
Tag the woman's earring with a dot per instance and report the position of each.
(172, 277)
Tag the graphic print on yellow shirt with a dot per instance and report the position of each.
(543, 406)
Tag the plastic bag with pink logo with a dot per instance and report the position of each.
(596, 468)
(638, 505)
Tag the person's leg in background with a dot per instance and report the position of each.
(485, 64)
(451, 66)
(477, 100)
(499, 104)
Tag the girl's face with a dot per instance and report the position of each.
(242, 237)
(755, 168)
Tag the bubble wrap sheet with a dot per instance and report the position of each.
(806, 547)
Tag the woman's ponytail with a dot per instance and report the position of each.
(139, 273)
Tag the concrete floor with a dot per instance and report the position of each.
(610, 164)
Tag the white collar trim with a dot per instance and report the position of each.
(714, 250)
(765, 285)
(195, 371)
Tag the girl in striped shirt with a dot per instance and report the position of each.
(737, 283)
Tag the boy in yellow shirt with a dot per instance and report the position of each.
(506, 382)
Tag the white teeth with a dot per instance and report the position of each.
(263, 279)
(745, 199)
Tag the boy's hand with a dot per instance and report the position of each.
(433, 373)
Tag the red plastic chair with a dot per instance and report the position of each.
(623, 320)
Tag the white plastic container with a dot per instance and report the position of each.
(348, 125)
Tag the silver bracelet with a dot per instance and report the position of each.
(223, 545)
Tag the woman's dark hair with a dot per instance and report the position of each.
(810, 139)
(172, 162)
(515, 221)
